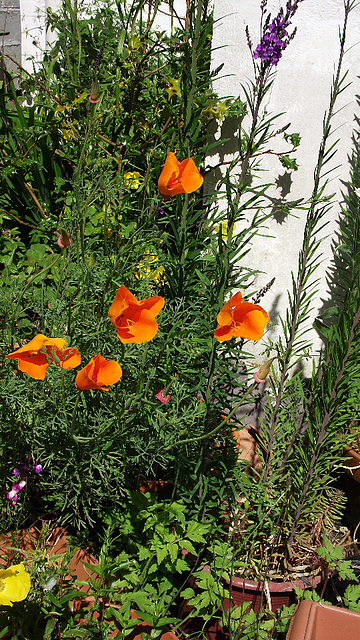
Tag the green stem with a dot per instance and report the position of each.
(29, 282)
(77, 180)
(72, 426)
(63, 396)
(213, 431)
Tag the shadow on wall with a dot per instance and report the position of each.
(344, 261)
(281, 208)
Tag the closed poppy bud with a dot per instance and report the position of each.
(241, 319)
(98, 373)
(261, 375)
(64, 240)
(179, 177)
(94, 96)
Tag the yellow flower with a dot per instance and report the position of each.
(172, 86)
(14, 584)
(225, 224)
(132, 179)
(148, 268)
(69, 130)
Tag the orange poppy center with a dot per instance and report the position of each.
(174, 180)
(121, 321)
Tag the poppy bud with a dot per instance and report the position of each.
(64, 240)
(261, 375)
(94, 96)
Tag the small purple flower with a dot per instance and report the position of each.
(23, 471)
(275, 38)
(12, 495)
(273, 42)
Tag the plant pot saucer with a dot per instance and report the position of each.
(319, 621)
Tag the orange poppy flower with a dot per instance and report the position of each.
(241, 319)
(179, 177)
(98, 373)
(133, 319)
(35, 357)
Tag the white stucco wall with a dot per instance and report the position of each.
(34, 37)
(301, 90)
(33, 33)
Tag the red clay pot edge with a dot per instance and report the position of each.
(275, 587)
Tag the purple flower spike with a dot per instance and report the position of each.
(275, 37)
(273, 42)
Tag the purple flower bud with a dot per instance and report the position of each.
(18, 486)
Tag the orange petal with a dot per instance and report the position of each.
(72, 358)
(108, 371)
(236, 300)
(33, 370)
(97, 373)
(190, 176)
(83, 382)
(142, 329)
(34, 345)
(253, 323)
(170, 170)
(223, 333)
(121, 302)
(224, 316)
(154, 304)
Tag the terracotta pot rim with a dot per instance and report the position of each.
(353, 452)
(274, 587)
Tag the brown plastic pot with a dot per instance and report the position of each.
(318, 621)
(352, 463)
(275, 596)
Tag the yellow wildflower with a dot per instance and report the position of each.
(14, 584)
(225, 224)
(148, 268)
(69, 130)
(132, 179)
(172, 86)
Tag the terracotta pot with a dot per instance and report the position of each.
(318, 621)
(25, 541)
(243, 590)
(163, 488)
(352, 463)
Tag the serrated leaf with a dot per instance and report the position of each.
(187, 593)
